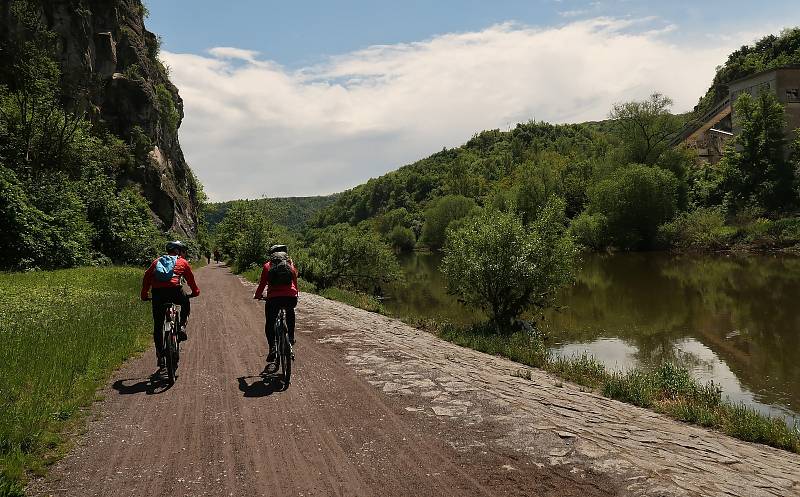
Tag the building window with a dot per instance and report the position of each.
(793, 95)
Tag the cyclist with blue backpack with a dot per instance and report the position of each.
(279, 276)
(164, 277)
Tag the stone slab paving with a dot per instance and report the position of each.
(549, 420)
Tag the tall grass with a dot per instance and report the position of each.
(61, 334)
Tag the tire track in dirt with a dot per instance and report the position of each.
(223, 431)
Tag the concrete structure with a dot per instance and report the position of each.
(710, 133)
(783, 82)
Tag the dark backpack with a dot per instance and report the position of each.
(280, 269)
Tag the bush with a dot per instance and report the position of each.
(590, 230)
(497, 264)
(402, 239)
(703, 228)
(349, 258)
(439, 216)
(635, 200)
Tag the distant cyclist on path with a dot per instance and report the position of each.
(164, 277)
(279, 276)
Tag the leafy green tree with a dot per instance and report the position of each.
(645, 127)
(439, 216)
(402, 239)
(635, 200)
(344, 256)
(496, 263)
(755, 168)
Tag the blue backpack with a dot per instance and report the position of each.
(165, 268)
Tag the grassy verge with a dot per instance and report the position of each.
(61, 334)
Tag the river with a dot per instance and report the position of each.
(733, 320)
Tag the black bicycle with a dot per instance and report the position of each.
(285, 356)
(170, 343)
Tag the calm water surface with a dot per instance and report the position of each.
(733, 320)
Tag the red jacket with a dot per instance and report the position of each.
(277, 290)
(182, 268)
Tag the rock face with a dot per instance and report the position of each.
(104, 49)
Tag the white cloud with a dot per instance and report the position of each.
(254, 128)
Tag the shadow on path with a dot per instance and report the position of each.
(154, 384)
(261, 385)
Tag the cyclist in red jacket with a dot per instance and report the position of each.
(279, 276)
(169, 292)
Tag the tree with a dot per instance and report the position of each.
(402, 239)
(755, 169)
(634, 201)
(344, 256)
(496, 263)
(645, 127)
(439, 216)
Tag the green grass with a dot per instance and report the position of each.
(61, 334)
(356, 299)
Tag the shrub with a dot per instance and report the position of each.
(590, 230)
(402, 239)
(344, 256)
(703, 228)
(439, 216)
(497, 264)
(635, 200)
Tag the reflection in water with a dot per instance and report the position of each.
(733, 320)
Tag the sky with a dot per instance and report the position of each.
(308, 98)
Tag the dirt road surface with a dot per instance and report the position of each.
(376, 408)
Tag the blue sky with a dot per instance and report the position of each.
(296, 33)
(303, 98)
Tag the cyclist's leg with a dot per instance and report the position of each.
(290, 304)
(183, 300)
(270, 312)
(159, 308)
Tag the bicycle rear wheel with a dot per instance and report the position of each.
(286, 356)
(171, 352)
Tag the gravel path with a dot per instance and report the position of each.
(360, 417)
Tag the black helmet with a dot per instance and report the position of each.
(177, 245)
(278, 248)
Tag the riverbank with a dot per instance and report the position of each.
(667, 388)
(61, 334)
(546, 421)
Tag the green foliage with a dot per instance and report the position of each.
(591, 230)
(635, 200)
(349, 258)
(246, 234)
(472, 170)
(755, 169)
(499, 265)
(170, 117)
(45, 378)
(645, 127)
(61, 203)
(293, 213)
(402, 239)
(769, 52)
(439, 216)
(355, 299)
(699, 229)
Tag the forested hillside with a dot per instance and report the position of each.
(292, 212)
(90, 165)
(623, 185)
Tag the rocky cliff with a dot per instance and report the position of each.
(111, 61)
